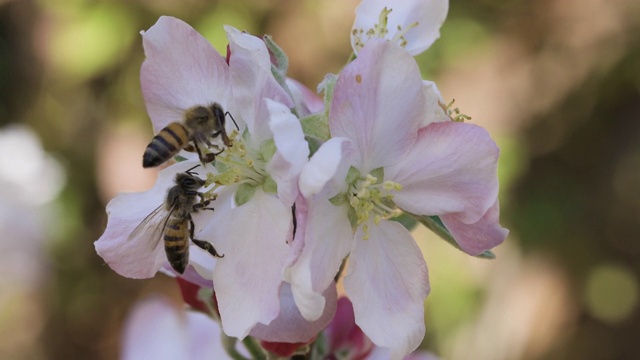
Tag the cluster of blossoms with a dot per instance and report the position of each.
(311, 186)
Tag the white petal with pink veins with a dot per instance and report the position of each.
(378, 104)
(387, 283)
(451, 169)
(290, 326)
(252, 81)
(292, 150)
(253, 238)
(328, 240)
(478, 237)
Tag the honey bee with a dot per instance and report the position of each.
(199, 124)
(172, 220)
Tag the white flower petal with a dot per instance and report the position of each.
(420, 19)
(323, 166)
(248, 279)
(451, 169)
(387, 283)
(328, 240)
(181, 70)
(292, 150)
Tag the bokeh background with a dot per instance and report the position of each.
(556, 82)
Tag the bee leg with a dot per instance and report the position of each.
(204, 245)
(206, 158)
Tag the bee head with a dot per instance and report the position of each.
(188, 181)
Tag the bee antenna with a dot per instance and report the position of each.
(234, 120)
(189, 171)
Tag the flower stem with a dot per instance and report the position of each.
(254, 349)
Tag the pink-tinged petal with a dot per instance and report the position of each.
(158, 330)
(451, 169)
(344, 336)
(306, 101)
(421, 19)
(292, 150)
(137, 257)
(290, 326)
(324, 166)
(434, 111)
(328, 240)
(387, 283)
(181, 70)
(252, 81)
(253, 238)
(480, 236)
(378, 103)
(154, 330)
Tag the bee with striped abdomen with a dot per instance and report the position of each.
(172, 220)
(200, 124)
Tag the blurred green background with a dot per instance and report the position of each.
(556, 82)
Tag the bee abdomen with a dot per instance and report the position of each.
(176, 244)
(165, 144)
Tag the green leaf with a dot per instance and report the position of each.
(244, 194)
(434, 224)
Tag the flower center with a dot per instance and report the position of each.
(380, 30)
(239, 164)
(370, 197)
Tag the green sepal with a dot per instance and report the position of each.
(408, 221)
(434, 224)
(244, 194)
(353, 218)
(339, 200)
(267, 149)
(281, 61)
(270, 186)
(314, 144)
(378, 174)
(326, 86)
(316, 125)
(352, 175)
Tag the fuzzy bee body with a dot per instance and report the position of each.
(200, 124)
(172, 221)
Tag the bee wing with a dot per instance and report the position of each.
(155, 223)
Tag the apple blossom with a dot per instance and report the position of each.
(412, 24)
(254, 180)
(385, 156)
